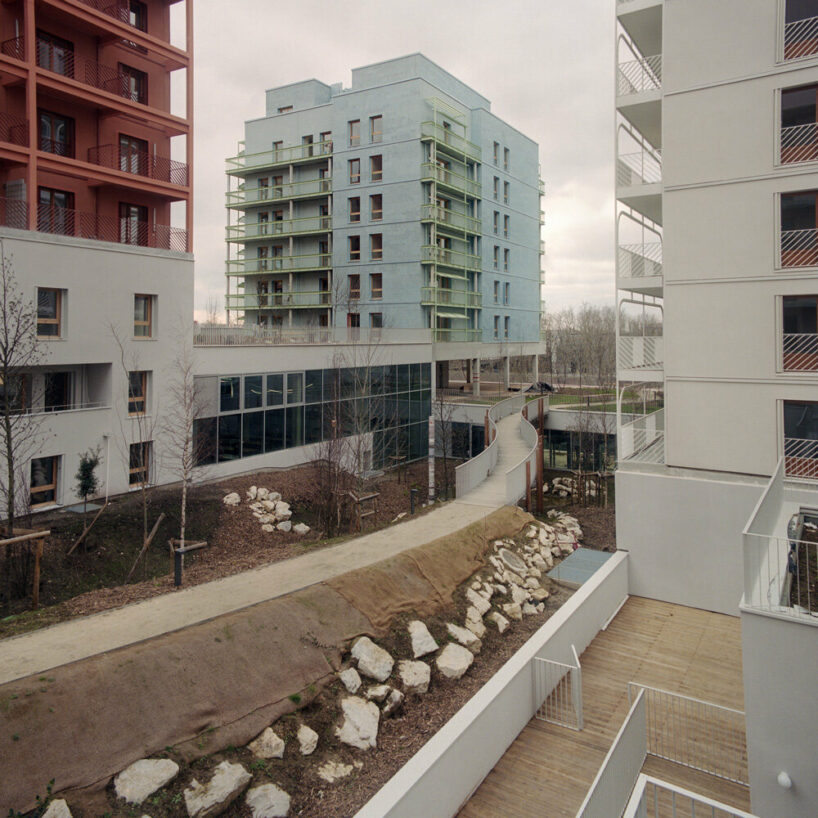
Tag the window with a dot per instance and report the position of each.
(506, 159)
(295, 387)
(496, 153)
(278, 148)
(137, 391)
(506, 192)
(506, 259)
(799, 31)
(18, 395)
(800, 314)
(143, 316)
(325, 138)
(354, 286)
(139, 461)
(354, 132)
(253, 392)
(353, 319)
(57, 391)
(496, 292)
(496, 257)
(354, 209)
(506, 225)
(306, 145)
(55, 54)
(278, 186)
(506, 323)
(354, 248)
(229, 394)
(496, 326)
(133, 224)
(376, 168)
(801, 439)
(376, 207)
(285, 109)
(138, 15)
(799, 236)
(326, 181)
(43, 485)
(133, 84)
(49, 312)
(376, 320)
(496, 222)
(376, 286)
(133, 155)
(506, 292)
(354, 171)
(275, 390)
(56, 133)
(496, 188)
(375, 128)
(376, 246)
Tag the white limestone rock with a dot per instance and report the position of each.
(332, 771)
(414, 676)
(534, 572)
(360, 725)
(474, 622)
(265, 519)
(532, 583)
(556, 551)
(286, 526)
(422, 641)
(57, 809)
(377, 693)
(511, 578)
(231, 499)
(267, 745)
(301, 528)
(540, 594)
(531, 533)
(262, 493)
(267, 528)
(476, 586)
(274, 496)
(499, 620)
(351, 679)
(228, 782)
(519, 595)
(268, 801)
(529, 610)
(539, 563)
(373, 661)
(282, 511)
(307, 740)
(465, 637)
(454, 661)
(393, 704)
(540, 607)
(143, 778)
(269, 506)
(513, 611)
(252, 493)
(477, 601)
(501, 589)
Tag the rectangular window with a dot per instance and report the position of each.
(326, 142)
(506, 192)
(138, 15)
(801, 439)
(496, 326)
(285, 109)
(506, 225)
(137, 392)
(354, 132)
(143, 316)
(506, 323)
(354, 248)
(375, 128)
(55, 54)
(799, 29)
(55, 211)
(506, 292)
(376, 207)
(55, 133)
(354, 209)
(799, 229)
(133, 84)
(295, 387)
(229, 394)
(506, 259)
(133, 224)
(496, 257)
(376, 285)
(57, 390)
(278, 148)
(43, 484)
(506, 159)
(139, 463)
(354, 171)
(253, 393)
(376, 168)
(376, 246)
(49, 312)
(354, 320)
(275, 390)
(496, 153)
(496, 222)
(354, 286)
(133, 155)
(306, 145)
(800, 320)
(496, 188)
(252, 433)
(496, 292)
(376, 320)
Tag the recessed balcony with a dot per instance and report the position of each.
(447, 297)
(278, 264)
(15, 47)
(244, 163)
(13, 213)
(284, 300)
(643, 439)
(245, 197)
(801, 38)
(448, 141)
(13, 129)
(270, 230)
(450, 180)
(443, 256)
(639, 183)
(639, 358)
(639, 268)
(799, 143)
(447, 219)
(456, 335)
(139, 163)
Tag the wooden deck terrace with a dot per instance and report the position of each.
(548, 769)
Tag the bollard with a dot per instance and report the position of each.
(412, 495)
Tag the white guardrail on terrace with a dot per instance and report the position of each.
(219, 336)
(654, 798)
(558, 688)
(640, 352)
(636, 76)
(642, 440)
(515, 476)
(800, 38)
(614, 783)
(640, 168)
(638, 260)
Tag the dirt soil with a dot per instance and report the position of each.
(92, 579)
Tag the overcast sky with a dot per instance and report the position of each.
(546, 66)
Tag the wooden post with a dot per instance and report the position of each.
(539, 474)
(527, 486)
(35, 591)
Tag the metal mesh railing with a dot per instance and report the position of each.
(801, 458)
(636, 76)
(13, 213)
(642, 168)
(800, 352)
(799, 248)
(643, 440)
(640, 260)
(801, 38)
(694, 733)
(13, 129)
(15, 47)
(140, 163)
(654, 798)
(799, 143)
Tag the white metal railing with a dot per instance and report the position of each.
(76, 406)
(799, 143)
(694, 733)
(515, 476)
(799, 248)
(640, 352)
(801, 458)
(636, 76)
(800, 352)
(643, 439)
(801, 38)
(273, 335)
(654, 798)
(558, 691)
(638, 260)
(641, 168)
(611, 790)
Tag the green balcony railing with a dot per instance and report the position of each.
(431, 254)
(279, 264)
(452, 334)
(445, 217)
(292, 155)
(285, 300)
(264, 231)
(450, 179)
(445, 297)
(449, 140)
(306, 188)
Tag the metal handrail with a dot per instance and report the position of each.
(321, 186)
(799, 143)
(800, 352)
(641, 168)
(801, 458)
(450, 178)
(799, 248)
(445, 136)
(284, 227)
(13, 129)
(271, 336)
(653, 797)
(292, 154)
(640, 260)
(139, 163)
(636, 76)
(456, 335)
(452, 298)
(643, 439)
(801, 38)
(274, 264)
(15, 47)
(640, 352)
(14, 213)
(449, 217)
(279, 300)
(451, 258)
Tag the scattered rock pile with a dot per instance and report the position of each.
(272, 513)
(567, 487)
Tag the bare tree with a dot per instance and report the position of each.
(213, 311)
(443, 412)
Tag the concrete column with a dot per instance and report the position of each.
(475, 367)
(507, 371)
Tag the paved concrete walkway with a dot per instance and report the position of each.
(80, 638)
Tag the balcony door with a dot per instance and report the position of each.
(799, 128)
(800, 320)
(55, 54)
(133, 155)
(799, 229)
(133, 224)
(55, 211)
(56, 133)
(801, 439)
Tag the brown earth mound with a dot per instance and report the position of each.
(226, 679)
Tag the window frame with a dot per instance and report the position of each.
(376, 135)
(354, 132)
(355, 171)
(376, 246)
(354, 252)
(46, 487)
(376, 168)
(354, 214)
(148, 323)
(136, 80)
(143, 450)
(376, 293)
(354, 286)
(69, 122)
(376, 214)
(57, 321)
(134, 399)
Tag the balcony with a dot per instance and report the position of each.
(266, 231)
(445, 297)
(285, 300)
(453, 335)
(244, 163)
(66, 222)
(446, 218)
(279, 264)
(640, 355)
(15, 47)
(443, 256)
(799, 248)
(799, 143)
(451, 180)
(307, 189)
(801, 458)
(139, 163)
(13, 213)
(639, 183)
(639, 268)
(450, 142)
(640, 75)
(643, 439)
(206, 336)
(801, 38)
(13, 129)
